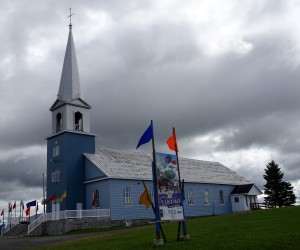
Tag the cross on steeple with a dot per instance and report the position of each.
(70, 16)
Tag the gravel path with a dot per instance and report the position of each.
(37, 242)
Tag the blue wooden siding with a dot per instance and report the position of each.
(71, 164)
(199, 208)
(113, 191)
(104, 194)
(119, 211)
(91, 171)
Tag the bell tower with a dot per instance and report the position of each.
(70, 137)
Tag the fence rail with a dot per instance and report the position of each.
(263, 205)
(68, 214)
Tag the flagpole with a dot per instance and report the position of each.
(157, 217)
(180, 187)
(15, 211)
(22, 209)
(36, 209)
(20, 213)
(153, 208)
(44, 192)
(9, 214)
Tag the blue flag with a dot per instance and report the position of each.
(31, 204)
(146, 137)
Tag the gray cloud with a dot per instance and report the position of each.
(233, 75)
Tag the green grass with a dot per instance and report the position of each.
(264, 229)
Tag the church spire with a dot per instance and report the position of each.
(69, 88)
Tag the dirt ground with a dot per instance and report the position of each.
(39, 242)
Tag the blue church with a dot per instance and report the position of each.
(95, 177)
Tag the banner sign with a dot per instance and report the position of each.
(168, 187)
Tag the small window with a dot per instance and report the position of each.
(190, 197)
(56, 176)
(56, 150)
(221, 195)
(236, 199)
(127, 197)
(246, 201)
(206, 197)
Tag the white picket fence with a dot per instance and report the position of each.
(69, 214)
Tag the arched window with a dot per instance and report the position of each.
(190, 197)
(206, 197)
(127, 196)
(221, 196)
(59, 122)
(151, 193)
(78, 121)
(96, 199)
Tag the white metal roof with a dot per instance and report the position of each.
(136, 165)
(69, 87)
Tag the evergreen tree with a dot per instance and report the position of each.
(279, 192)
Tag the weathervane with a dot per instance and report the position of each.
(70, 16)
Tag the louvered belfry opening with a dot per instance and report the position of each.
(78, 121)
(58, 122)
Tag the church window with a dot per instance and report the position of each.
(151, 193)
(96, 199)
(58, 122)
(127, 196)
(236, 199)
(78, 121)
(190, 197)
(206, 197)
(221, 196)
(55, 151)
(56, 176)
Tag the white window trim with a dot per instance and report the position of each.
(190, 197)
(97, 205)
(206, 197)
(222, 199)
(55, 176)
(55, 151)
(127, 196)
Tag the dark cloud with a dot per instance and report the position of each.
(234, 77)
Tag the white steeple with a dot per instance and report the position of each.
(70, 112)
(69, 88)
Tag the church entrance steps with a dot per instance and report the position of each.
(19, 230)
(64, 221)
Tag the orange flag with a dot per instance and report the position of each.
(144, 199)
(171, 142)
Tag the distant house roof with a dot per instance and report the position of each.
(136, 165)
(249, 189)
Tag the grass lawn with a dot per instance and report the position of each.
(265, 229)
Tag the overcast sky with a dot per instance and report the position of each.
(226, 74)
